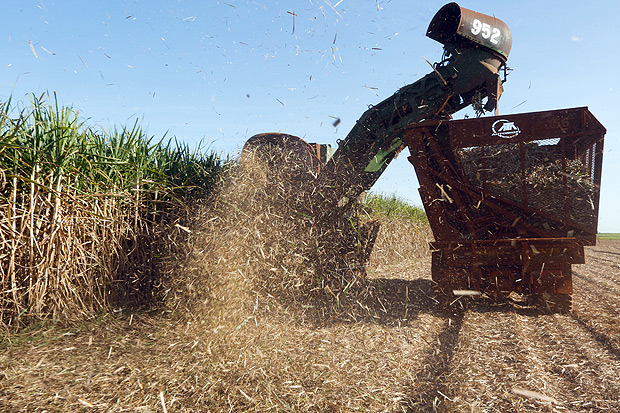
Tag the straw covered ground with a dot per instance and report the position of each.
(250, 324)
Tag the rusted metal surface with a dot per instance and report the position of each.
(524, 127)
(454, 193)
(511, 199)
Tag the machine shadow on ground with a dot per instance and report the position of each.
(399, 302)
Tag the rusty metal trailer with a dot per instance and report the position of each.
(512, 200)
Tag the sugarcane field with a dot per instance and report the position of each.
(455, 249)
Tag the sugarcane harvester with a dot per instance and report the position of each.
(494, 231)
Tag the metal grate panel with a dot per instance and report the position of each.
(537, 175)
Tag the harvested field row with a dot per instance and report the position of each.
(596, 304)
(520, 360)
(514, 362)
(600, 317)
(229, 341)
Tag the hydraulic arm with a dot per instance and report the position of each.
(476, 47)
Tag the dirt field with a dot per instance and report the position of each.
(392, 350)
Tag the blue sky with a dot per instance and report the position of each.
(222, 71)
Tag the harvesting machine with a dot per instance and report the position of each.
(511, 199)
